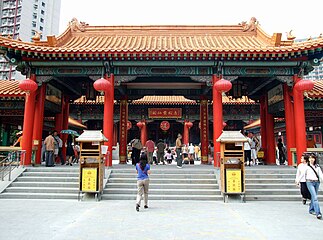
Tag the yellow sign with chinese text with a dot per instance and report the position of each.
(89, 178)
(233, 181)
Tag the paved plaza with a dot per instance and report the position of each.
(69, 220)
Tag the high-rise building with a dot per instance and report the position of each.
(21, 19)
(316, 74)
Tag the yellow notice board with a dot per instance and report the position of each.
(233, 181)
(89, 178)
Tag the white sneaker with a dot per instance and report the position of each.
(179, 167)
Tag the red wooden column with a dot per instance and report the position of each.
(123, 131)
(39, 121)
(289, 121)
(108, 118)
(263, 132)
(30, 86)
(219, 86)
(143, 131)
(204, 130)
(186, 133)
(66, 114)
(271, 147)
(300, 127)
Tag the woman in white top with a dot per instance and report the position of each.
(300, 178)
(312, 176)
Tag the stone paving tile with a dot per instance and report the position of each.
(171, 220)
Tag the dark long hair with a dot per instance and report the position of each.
(143, 161)
(315, 162)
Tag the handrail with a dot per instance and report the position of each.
(12, 161)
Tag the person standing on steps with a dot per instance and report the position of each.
(143, 170)
(300, 178)
(50, 146)
(179, 145)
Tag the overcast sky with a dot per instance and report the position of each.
(303, 17)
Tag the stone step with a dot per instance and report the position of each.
(47, 179)
(167, 192)
(42, 190)
(161, 180)
(269, 175)
(164, 197)
(164, 186)
(270, 180)
(271, 186)
(277, 198)
(45, 184)
(295, 192)
(11, 195)
(167, 171)
(51, 174)
(54, 169)
(161, 175)
(270, 171)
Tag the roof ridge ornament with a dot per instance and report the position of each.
(290, 36)
(77, 26)
(36, 37)
(251, 26)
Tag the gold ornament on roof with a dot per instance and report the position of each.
(320, 36)
(251, 26)
(36, 37)
(77, 26)
(290, 36)
(310, 38)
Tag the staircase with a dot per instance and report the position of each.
(166, 183)
(272, 183)
(45, 183)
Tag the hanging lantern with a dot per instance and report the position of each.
(164, 125)
(189, 124)
(28, 85)
(102, 85)
(223, 85)
(140, 124)
(304, 85)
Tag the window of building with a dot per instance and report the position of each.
(35, 7)
(34, 24)
(41, 20)
(42, 12)
(41, 28)
(35, 16)
(43, 4)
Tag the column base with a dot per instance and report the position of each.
(204, 160)
(122, 159)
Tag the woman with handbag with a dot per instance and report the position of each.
(313, 173)
(300, 177)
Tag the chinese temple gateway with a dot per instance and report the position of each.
(201, 63)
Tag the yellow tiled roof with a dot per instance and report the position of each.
(79, 39)
(10, 88)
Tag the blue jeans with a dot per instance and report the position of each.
(313, 187)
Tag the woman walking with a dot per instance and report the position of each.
(312, 176)
(69, 150)
(300, 178)
(143, 170)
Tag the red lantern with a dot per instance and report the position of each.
(189, 124)
(28, 85)
(164, 125)
(140, 124)
(129, 125)
(102, 85)
(222, 85)
(304, 85)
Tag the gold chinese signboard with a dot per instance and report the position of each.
(164, 112)
(89, 179)
(233, 181)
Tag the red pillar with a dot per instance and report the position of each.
(28, 125)
(289, 122)
(299, 116)
(115, 134)
(123, 131)
(143, 131)
(66, 113)
(271, 148)
(108, 117)
(204, 130)
(217, 118)
(263, 132)
(186, 133)
(59, 121)
(39, 121)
